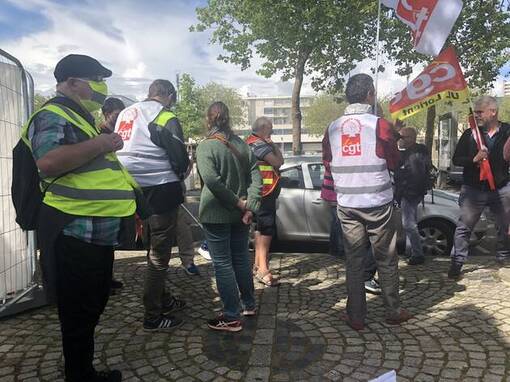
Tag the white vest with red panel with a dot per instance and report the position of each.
(146, 162)
(361, 178)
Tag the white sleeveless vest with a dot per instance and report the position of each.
(146, 162)
(361, 178)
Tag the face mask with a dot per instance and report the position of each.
(100, 92)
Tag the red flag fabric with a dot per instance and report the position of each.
(431, 21)
(485, 166)
(442, 80)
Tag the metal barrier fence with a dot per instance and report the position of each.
(17, 248)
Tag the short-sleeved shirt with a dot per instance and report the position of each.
(47, 132)
(261, 148)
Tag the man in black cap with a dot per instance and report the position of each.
(86, 195)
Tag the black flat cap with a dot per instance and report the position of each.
(79, 66)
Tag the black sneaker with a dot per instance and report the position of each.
(455, 271)
(222, 323)
(162, 324)
(116, 284)
(174, 306)
(415, 260)
(108, 376)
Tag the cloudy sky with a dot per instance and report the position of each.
(138, 40)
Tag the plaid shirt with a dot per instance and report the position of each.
(47, 132)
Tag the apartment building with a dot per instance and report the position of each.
(278, 109)
(506, 88)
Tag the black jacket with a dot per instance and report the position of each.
(171, 138)
(412, 177)
(466, 151)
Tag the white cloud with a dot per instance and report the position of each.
(141, 41)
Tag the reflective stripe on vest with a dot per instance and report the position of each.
(361, 178)
(147, 162)
(100, 188)
(268, 174)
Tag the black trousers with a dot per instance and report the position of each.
(84, 274)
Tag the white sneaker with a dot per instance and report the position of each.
(204, 252)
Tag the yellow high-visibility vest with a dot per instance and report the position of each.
(101, 187)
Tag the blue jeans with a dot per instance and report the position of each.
(472, 202)
(410, 224)
(228, 246)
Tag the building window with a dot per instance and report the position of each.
(268, 110)
(281, 121)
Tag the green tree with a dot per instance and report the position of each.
(188, 108)
(481, 37)
(324, 39)
(324, 109)
(40, 100)
(504, 109)
(214, 92)
(327, 38)
(194, 100)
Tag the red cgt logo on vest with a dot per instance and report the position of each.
(351, 137)
(126, 124)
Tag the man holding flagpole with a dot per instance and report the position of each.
(485, 181)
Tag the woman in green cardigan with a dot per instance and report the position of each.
(230, 196)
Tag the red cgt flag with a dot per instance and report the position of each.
(431, 21)
(441, 80)
(485, 166)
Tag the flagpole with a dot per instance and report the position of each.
(377, 53)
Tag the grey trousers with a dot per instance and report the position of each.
(361, 227)
(185, 238)
(472, 203)
(162, 230)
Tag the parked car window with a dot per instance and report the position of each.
(292, 178)
(316, 173)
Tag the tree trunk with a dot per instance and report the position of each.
(430, 127)
(296, 107)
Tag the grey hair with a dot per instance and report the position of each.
(260, 123)
(487, 101)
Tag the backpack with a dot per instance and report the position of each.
(414, 178)
(26, 194)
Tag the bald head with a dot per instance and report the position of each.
(407, 137)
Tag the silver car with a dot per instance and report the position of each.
(302, 215)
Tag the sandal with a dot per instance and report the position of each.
(266, 278)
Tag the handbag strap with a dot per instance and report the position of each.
(231, 147)
(235, 152)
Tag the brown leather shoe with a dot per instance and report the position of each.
(353, 324)
(403, 316)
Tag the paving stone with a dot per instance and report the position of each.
(460, 332)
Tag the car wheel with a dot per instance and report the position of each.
(436, 237)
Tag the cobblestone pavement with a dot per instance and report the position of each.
(461, 331)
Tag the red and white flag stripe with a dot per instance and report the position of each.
(431, 21)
